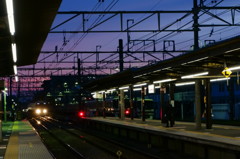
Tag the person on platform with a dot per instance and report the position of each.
(169, 116)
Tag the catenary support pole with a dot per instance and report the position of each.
(121, 55)
(198, 103)
(143, 103)
(208, 106)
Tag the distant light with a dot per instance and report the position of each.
(127, 112)
(81, 114)
(38, 111)
(10, 13)
(14, 52)
(195, 75)
(45, 111)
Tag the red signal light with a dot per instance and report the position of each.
(127, 112)
(81, 114)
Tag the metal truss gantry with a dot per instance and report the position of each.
(136, 51)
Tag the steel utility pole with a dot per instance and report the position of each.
(121, 55)
(195, 24)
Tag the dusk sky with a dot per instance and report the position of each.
(109, 41)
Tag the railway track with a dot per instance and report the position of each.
(84, 145)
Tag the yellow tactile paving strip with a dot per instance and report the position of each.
(24, 143)
(12, 148)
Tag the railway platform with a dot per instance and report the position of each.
(24, 143)
(221, 141)
(219, 133)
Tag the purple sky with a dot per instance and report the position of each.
(109, 42)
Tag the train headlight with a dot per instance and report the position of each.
(38, 111)
(45, 111)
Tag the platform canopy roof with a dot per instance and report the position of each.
(212, 59)
(33, 19)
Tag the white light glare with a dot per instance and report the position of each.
(9, 4)
(219, 79)
(195, 75)
(14, 53)
(162, 81)
(184, 83)
(139, 85)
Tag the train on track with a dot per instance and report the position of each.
(37, 109)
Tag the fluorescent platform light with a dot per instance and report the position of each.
(232, 50)
(127, 87)
(195, 75)
(234, 68)
(219, 79)
(125, 90)
(111, 90)
(139, 85)
(14, 53)
(101, 92)
(16, 78)
(15, 69)
(137, 89)
(140, 75)
(184, 83)
(162, 81)
(10, 13)
(166, 68)
(197, 60)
